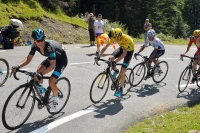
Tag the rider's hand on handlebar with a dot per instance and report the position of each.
(38, 76)
(15, 68)
(135, 55)
(182, 54)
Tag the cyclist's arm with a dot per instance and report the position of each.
(154, 53)
(188, 48)
(50, 67)
(26, 61)
(122, 55)
(141, 49)
(104, 49)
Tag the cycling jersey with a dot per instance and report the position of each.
(54, 51)
(192, 40)
(125, 42)
(156, 43)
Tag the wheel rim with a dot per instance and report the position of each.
(184, 80)
(139, 73)
(159, 73)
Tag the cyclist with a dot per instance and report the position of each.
(159, 49)
(125, 51)
(56, 60)
(196, 40)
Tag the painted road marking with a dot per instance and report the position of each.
(62, 121)
(3, 51)
(185, 85)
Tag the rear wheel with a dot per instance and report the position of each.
(4, 71)
(64, 89)
(184, 79)
(160, 71)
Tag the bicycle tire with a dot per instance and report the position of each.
(154, 75)
(130, 74)
(187, 69)
(126, 83)
(6, 71)
(137, 71)
(5, 123)
(61, 95)
(92, 96)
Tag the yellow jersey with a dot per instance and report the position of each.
(125, 42)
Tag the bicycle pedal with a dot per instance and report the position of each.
(40, 106)
(112, 87)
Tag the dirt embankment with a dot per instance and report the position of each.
(60, 31)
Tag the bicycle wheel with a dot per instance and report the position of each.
(139, 72)
(130, 75)
(127, 84)
(99, 87)
(64, 89)
(18, 107)
(160, 71)
(4, 71)
(184, 79)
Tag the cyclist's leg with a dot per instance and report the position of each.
(158, 54)
(115, 55)
(42, 67)
(125, 64)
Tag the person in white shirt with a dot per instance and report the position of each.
(98, 30)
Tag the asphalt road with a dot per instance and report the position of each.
(112, 115)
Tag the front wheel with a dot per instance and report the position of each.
(160, 71)
(184, 79)
(64, 89)
(139, 72)
(18, 107)
(4, 71)
(99, 87)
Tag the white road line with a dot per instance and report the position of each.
(3, 51)
(188, 85)
(62, 121)
(82, 63)
(170, 58)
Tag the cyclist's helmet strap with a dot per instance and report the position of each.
(38, 34)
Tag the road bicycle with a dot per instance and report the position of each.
(186, 74)
(100, 84)
(4, 71)
(157, 72)
(21, 101)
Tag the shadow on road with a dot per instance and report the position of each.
(193, 96)
(28, 127)
(110, 107)
(147, 90)
(94, 54)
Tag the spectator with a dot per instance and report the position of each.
(90, 28)
(98, 30)
(147, 26)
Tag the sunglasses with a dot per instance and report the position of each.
(39, 41)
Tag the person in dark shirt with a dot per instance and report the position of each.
(56, 60)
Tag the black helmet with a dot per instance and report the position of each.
(38, 34)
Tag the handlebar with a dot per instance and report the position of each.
(31, 74)
(106, 61)
(145, 57)
(181, 58)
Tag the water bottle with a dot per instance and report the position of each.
(41, 88)
(115, 74)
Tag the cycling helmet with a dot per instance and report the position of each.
(38, 34)
(196, 33)
(15, 23)
(117, 33)
(151, 33)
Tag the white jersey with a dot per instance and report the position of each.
(99, 26)
(156, 43)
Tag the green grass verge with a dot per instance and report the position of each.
(181, 120)
(32, 10)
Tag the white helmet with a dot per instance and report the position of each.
(151, 33)
(16, 23)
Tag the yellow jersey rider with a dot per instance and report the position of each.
(125, 51)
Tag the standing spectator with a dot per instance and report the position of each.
(90, 28)
(98, 30)
(147, 26)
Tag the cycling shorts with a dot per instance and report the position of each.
(60, 66)
(118, 52)
(159, 53)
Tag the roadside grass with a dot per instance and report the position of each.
(32, 10)
(180, 120)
